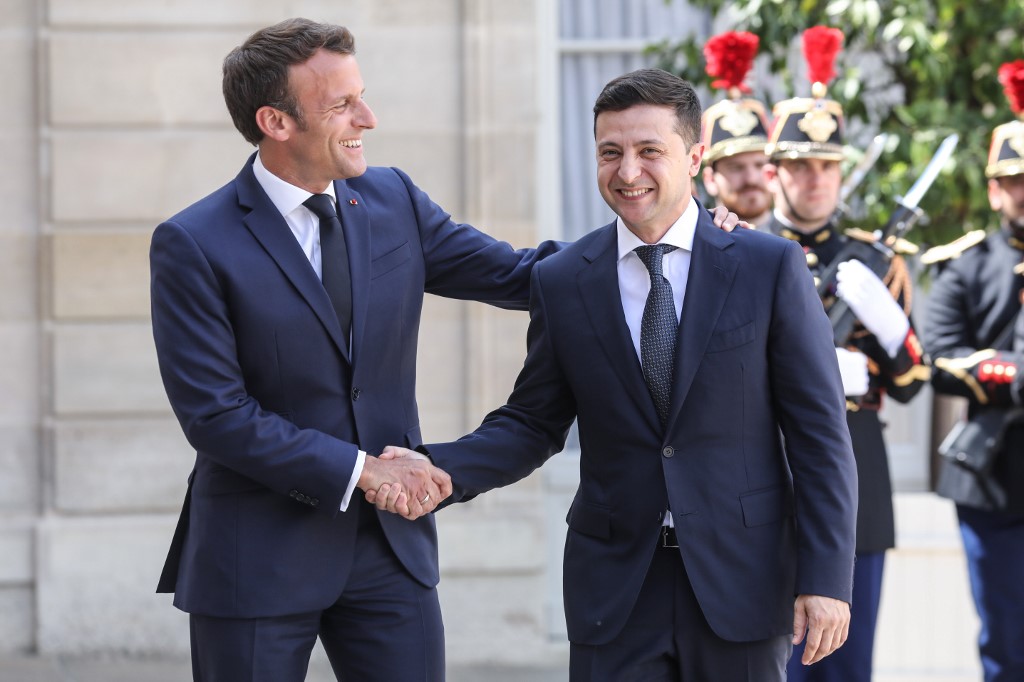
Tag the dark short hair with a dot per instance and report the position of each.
(256, 72)
(657, 87)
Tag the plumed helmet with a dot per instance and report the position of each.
(735, 124)
(811, 127)
(1006, 155)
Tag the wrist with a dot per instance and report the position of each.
(370, 474)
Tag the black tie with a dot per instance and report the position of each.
(658, 330)
(333, 259)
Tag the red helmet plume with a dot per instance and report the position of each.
(821, 45)
(1011, 75)
(729, 58)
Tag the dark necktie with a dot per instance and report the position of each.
(333, 259)
(658, 330)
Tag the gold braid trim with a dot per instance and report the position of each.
(944, 252)
(898, 281)
(915, 373)
(959, 367)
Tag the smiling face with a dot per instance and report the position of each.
(806, 190)
(326, 143)
(644, 167)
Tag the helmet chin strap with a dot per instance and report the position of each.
(792, 209)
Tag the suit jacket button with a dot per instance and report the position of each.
(293, 493)
(314, 502)
(355, 393)
(669, 451)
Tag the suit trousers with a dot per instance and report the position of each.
(854, 660)
(667, 639)
(994, 547)
(385, 626)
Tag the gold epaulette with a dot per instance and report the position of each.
(897, 244)
(944, 252)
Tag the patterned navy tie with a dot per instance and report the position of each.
(658, 329)
(333, 259)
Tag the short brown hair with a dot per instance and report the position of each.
(256, 72)
(657, 87)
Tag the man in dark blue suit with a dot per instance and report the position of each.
(283, 384)
(687, 354)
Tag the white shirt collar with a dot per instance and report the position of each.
(285, 196)
(679, 235)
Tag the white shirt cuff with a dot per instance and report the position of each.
(357, 471)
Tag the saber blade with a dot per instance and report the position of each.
(931, 171)
(866, 163)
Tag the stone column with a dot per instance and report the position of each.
(21, 376)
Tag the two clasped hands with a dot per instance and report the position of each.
(404, 482)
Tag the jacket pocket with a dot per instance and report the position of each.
(590, 519)
(390, 260)
(766, 506)
(731, 338)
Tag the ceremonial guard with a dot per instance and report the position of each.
(882, 355)
(975, 303)
(734, 131)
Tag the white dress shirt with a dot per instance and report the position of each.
(635, 279)
(304, 224)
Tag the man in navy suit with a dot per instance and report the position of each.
(283, 388)
(687, 354)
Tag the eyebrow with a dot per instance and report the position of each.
(638, 143)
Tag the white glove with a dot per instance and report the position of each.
(873, 304)
(853, 367)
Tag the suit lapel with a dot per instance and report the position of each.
(355, 221)
(270, 229)
(712, 270)
(598, 283)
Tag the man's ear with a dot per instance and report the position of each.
(771, 175)
(994, 200)
(274, 123)
(696, 154)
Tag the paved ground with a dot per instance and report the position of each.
(29, 669)
(34, 669)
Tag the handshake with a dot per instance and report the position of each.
(404, 482)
